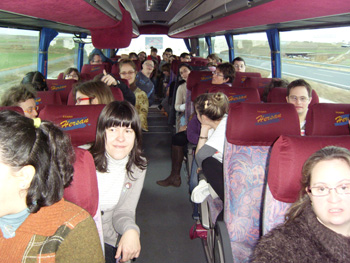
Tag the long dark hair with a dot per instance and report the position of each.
(47, 148)
(36, 79)
(118, 113)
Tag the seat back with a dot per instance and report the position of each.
(117, 93)
(288, 156)
(197, 77)
(47, 97)
(257, 83)
(278, 95)
(89, 71)
(251, 130)
(115, 69)
(236, 95)
(328, 119)
(62, 86)
(13, 108)
(241, 77)
(78, 121)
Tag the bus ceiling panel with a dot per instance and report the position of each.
(276, 12)
(8, 19)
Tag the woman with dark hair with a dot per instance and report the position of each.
(121, 170)
(317, 227)
(36, 223)
(36, 79)
(72, 73)
(92, 92)
(224, 74)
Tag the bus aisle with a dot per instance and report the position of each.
(164, 213)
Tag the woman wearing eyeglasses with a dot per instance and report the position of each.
(22, 96)
(317, 227)
(92, 92)
(224, 74)
(72, 73)
(127, 70)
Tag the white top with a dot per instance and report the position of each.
(216, 138)
(110, 184)
(180, 100)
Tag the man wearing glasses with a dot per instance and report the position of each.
(299, 93)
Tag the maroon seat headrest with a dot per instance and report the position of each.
(328, 119)
(278, 95)
(47, 97)
(115, 70)
(78, 121)
(63, 86)
(236, 95)
(204, 88)
(83, 191)
(260, 124)
(13, 108)
(117, 93)
(93, 70)
(198, 77)
(288, 156)
(175, 66)
(241, 77)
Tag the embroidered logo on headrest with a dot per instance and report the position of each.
(76, 123)
(341, 119)
(206, 78)
(38, 101)
(58, 87)
(95, 68)
(268, 118)
(237, 98)
(243, 79)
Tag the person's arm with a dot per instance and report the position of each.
(203, 137)
(82, 244)
(179, 103)
(205, 152)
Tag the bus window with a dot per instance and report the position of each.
(62, 55)
(220, 47)
(19, 55)
(320, 56)
(160, 42)
(255, 50)
(203, 48)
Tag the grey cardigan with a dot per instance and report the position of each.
(121, 217)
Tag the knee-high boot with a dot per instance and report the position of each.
(174, 179)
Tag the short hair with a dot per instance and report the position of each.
(143, 52)
(300, 82)
(118, 113)
(228, 70)
(36, 79)
(127, 62)
(131, 54)
(95, 89)
(153, 49)
(166, 67)
(70, 70)
(212, 105)
(325, 154)
(168, 50)
(17, 94)
(185, 65)
(47, 148)
(214, 56)
(238, 59)
(184, 55)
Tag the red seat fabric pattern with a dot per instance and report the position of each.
(198, 77)
(241, 77)
(47, 97)
(78, 121)
(90, 71)
(63, 86)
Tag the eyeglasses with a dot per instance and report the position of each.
(31, 109)
(217, 74)
(126, 73)
(325, 190)
(97, 61)
(148, 64)
(71, 76)
(301, 99)
(79, 100)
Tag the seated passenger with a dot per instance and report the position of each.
(133, 56)
(299, 93)
(166, 54)
(239, 64)
(275, 83)
(97, 57)
(36, 223)
(154, 55)
(143, 79)
(92, 92)
(211, 110)
(128, 71)
(72, 73)
(22, 96)
(317, 226)
(121, 172)
(36, 79)
(224, 74)
(185, 57)
(142, 56)
(213, 60)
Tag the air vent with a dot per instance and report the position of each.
(154, 22)
(158, 5)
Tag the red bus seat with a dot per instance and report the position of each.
(88, 72)
(13, 108)
(236, 95)
(47, 97)
(241, 77)
(78, 121)
(63, 86)
(288, 156)
(328, 119)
